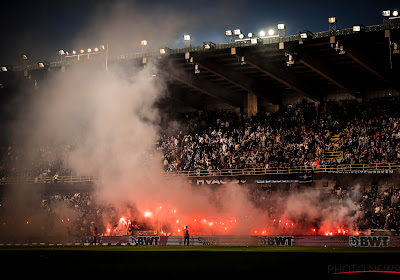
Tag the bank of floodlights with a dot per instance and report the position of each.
(388, 15)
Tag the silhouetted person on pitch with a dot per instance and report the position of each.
(186, 236)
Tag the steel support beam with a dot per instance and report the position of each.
(279, 75)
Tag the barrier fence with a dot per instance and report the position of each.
(279, 240)
(341, 168)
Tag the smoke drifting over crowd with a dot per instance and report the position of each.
(110, 122)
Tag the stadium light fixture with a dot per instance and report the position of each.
(41, 64)
(96, 49)
(143, 42)
(395, 13)
(208, 45)
(358, 28)
(228, 33)
(262, 33)
(4, 69)
(187, 38)
(82, 51)
(61, 52)
(73, 52)
(306, 34)
(237, 32)
(271, 32)
(89, 50)
(165, 50)
(241, 36)
(250, 35)
(386, 13)
(332, 20)
(281, 26)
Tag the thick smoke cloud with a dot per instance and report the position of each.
(109, 122)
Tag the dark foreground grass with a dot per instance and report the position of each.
(203, 262)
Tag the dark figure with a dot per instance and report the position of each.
(94, 241)
(186, 236)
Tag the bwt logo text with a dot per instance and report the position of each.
(147, 240)
(368, 241)
(276, 240)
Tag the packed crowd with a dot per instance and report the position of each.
(365, 132)
(379, 208)
(362, 132)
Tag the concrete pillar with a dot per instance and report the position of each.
(252, 106)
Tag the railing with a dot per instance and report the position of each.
(333, 155)
(342, 168)
(41, 180)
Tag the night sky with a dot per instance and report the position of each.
(40, 29)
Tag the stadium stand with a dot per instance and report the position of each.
(291, 124)
(346, 132)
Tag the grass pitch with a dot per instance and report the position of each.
(200, 261)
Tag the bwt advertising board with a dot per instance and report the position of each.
(368, 241)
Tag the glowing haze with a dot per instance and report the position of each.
(110, 121)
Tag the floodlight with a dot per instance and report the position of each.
(24, 57)
(3, 69)
(358, 28)
(228, 32)
(143, 42)
(241, 36)
(262, 33)
(61, 52)
(281, 26)
(41, 64)
(271, 32)
(186, 37)
(162, 51)
(305, 34)
(386, 13)
(73, 52)
(250, 35)
(237, 32)
(395, 13)
(82, 51)
(102, 47)
(208, 45)
(89, 50)
(332, 20)
(96, 49)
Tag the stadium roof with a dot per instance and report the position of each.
(324, 64)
